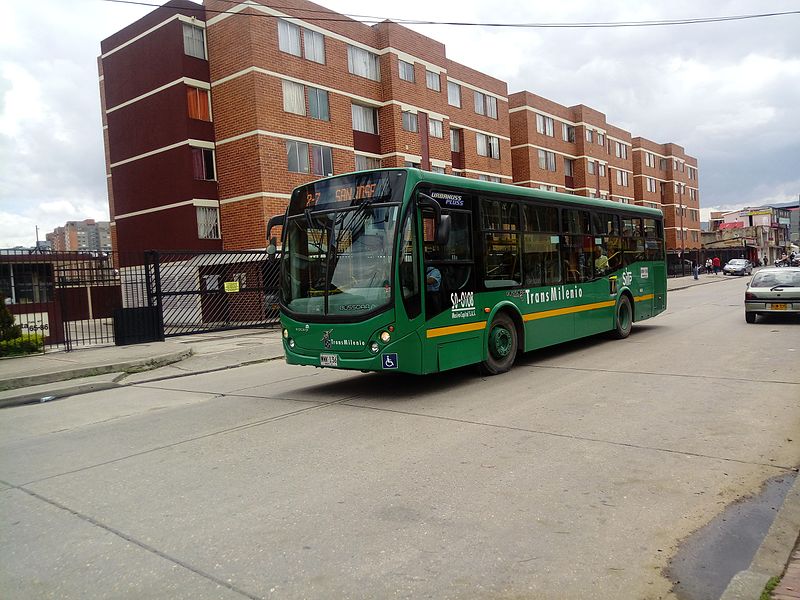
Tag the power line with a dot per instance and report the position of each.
(576, 25)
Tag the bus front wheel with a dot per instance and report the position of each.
(623, 321)
(501, 346)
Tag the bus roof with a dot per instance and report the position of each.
(417, 175)
(506, 188)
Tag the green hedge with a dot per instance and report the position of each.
(26, 344)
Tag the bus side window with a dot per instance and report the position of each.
(541, 262)
(409, 267)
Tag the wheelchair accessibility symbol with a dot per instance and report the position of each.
(389, 361)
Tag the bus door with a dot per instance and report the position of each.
(449, 283)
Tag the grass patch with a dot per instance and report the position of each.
(771, 585)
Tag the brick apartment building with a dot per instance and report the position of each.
(81, 235)
(214, 113)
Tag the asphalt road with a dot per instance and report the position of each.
(573, 476)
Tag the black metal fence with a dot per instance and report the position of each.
(201, 291)
(75, 299)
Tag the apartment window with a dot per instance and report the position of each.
(406, 71)
(601, 169)
(651, 184)
(485, 105)
(568, 132)
(548, 188)
(363, 63)
(367, 162)
(410, 121)
(589, 135)
(569, 167)
(197, 101)
(318, 104)
(601, 139)
(364, 118)
(294, 100)
(314, 46)
(455, 140)
(621, 150)
(590, 167)
(208, 222)
(297, 156)
(692, 172)
(433, 81)
(480, 103)
(321, 160)
(692, 194)
(435, 169)
(488, 145)
(288, 37)
(622, 178)
(453, 94)
(544, 125)
(649, 159)
(547, 160)
(662, 164)
(203, 164)
(492, 178)
(435, 128)
(193, 41)
(410, 165)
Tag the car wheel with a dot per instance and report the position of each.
(750, 317)
(501, 346)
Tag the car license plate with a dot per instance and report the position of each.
(778, 307)
(328, 360)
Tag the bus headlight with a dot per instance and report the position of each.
(291, 343)
(385, 337)
(285, 333)
(373, 347)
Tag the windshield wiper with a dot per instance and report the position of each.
(777, 287)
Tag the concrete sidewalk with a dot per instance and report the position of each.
(59, 374)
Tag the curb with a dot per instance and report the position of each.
(131, 366)
(774, 552)
(56, 393)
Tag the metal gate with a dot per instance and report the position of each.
(194, 292)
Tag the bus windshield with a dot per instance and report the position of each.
(338, 244)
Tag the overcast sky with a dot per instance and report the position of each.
(729, 93)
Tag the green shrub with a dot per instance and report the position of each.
(26, 344)
(8, 331)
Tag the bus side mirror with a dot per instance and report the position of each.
(443, 230)
(273, 222)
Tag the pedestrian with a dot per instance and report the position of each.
(709, 266)
(695, 269)
(716, 263)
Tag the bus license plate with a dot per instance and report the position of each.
(328, 360)
(778, 307)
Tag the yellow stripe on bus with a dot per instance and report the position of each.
(440, 331)
(567, 310)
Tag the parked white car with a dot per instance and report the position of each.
(773, 291)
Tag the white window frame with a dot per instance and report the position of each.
(547, 160)
(491, 107)
(455, 140)
(590, 168)
(601, 169)
(300, 151)
(566, 130)
(406, 70)
(289, 37)
(367, 162)
(410, 121)
(589, 135)
(436, 128)
(569, 167)
(194, 41)
(207, 222)
(480, 103)
(363, 63)
(545, 125)
(453, 94)
(365, 118)
(294, 97)
(433, 80)
(314, 46)
(325, 163)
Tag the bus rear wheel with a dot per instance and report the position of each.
(623, 320)
(501, 346)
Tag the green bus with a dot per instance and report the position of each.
(418, 272)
